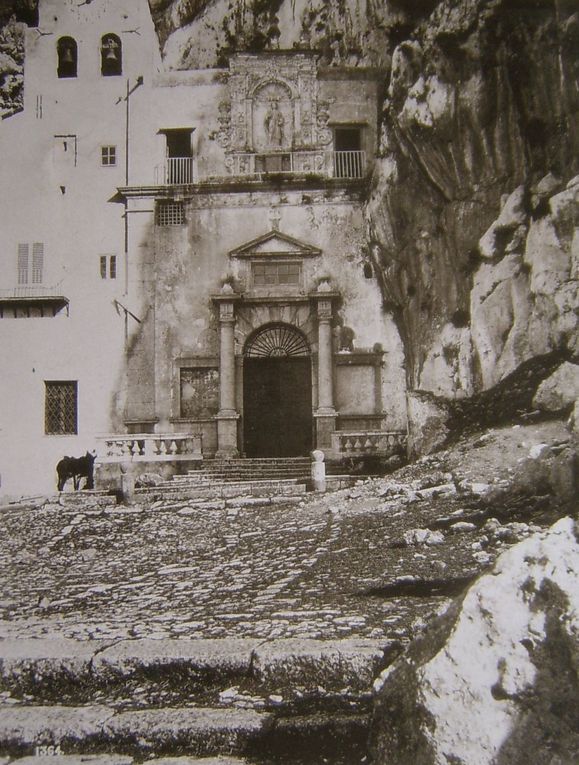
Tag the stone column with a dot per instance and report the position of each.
(227, 416)
(325, 414)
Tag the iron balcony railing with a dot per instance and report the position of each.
(30, 291)
(349, 165)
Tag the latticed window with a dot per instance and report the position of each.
(60, 410)
(199, 392)
(111, 260)
(170, 214)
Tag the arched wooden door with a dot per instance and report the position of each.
(277, 393)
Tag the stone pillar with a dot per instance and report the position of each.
(325, 414)
(318, 470)
(227, 416)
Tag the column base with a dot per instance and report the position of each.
(325, 425)
(227, 434)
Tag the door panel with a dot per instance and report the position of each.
(277, 407)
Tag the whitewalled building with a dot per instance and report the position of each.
(185, 272)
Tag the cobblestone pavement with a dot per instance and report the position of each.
(170, 569)
(173, 570)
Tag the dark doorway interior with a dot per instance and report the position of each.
(277, 406)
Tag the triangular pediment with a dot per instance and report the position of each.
(275, 243)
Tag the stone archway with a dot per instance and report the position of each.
(277, 393)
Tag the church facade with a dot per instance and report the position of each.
(185, 267)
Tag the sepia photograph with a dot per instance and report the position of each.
(289, 382)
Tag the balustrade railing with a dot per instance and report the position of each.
(150, 447)
(381, 442)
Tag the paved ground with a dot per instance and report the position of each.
(172, 570)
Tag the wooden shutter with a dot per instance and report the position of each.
(22, 264)
(37, 262)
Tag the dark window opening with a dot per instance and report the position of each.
(347, 139)
(368, 273)
(111, 56)
(67, 57)
(60, 410)
(178, 142)
(111, 261)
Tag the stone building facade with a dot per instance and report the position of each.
(185, 266)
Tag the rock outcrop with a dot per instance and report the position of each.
(493, 680)
(481, 103)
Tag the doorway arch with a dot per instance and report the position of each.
(277, 392)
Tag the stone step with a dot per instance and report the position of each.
(224, 490)
(243, 697)
(73, 671)
(195, 731)
(117, 759)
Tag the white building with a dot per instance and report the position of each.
(183, 256)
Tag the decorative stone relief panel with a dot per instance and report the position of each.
(273, 105)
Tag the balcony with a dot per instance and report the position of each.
(345, 165)
(176, 171)
(31, 301)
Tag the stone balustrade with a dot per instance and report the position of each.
(150, 447)
(381, 442)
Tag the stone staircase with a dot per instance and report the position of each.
(294, 702)
(237, 482)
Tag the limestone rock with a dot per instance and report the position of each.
(560, 391)
(493, 680)
(427, 423)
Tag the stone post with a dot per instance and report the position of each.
(325, 414)
(127, 485)
(318, 470)
(227, 416)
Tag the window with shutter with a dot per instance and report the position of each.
(22, 264)
(37, 262)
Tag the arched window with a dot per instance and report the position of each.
(111, 56)
(67, 57)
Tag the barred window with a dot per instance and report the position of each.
(60, 409)
(170, 213)
(199, 392)
(275, 273)
(108, 156)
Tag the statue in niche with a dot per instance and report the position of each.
(274, 124)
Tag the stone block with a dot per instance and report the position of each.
(559, 392)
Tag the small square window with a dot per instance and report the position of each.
(108, 156)
(60, 408)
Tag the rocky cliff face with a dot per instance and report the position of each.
(481, 102)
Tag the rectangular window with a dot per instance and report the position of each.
(60, 408)
(108, 156)
(108, 266)
(30, 272)
(265, 274)
(170, 213)
(199, 388)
